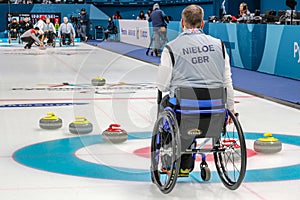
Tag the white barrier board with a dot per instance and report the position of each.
(135, 32)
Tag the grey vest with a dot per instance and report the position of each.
(198, 61)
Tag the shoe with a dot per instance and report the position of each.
(157, 53)
(184, 173)
(27, 47)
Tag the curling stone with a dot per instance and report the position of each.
(114, 134)
(80, 126)
(268, 144)
(50, 121)
(98, 81)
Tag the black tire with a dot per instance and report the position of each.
(231, 155)
(54, 42)
(165, 152)
(205, 174)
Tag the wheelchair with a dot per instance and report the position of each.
(14, 35)
(50, 38)
(66, 39)
(197, 114)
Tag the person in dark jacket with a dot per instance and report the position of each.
(83, 22)
(14, 28)
(110, 28)
(26, 24)
(159, 23)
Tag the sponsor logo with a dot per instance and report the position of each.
(131, 32)
(124, 31)
(297, 51)
(194, 132)
(145, 34)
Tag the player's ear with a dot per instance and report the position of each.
(202, 24)
(182, 24)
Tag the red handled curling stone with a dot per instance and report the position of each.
(114, 134)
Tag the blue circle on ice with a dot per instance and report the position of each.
(58, 156)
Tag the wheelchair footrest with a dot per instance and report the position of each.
(182, 172)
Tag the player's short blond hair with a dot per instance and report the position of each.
(192, 15)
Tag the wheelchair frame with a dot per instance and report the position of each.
(61, 38)
(229, 152)
(53, 44)
(17, 38)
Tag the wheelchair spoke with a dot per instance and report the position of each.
(231, 159)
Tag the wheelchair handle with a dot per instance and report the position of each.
(159, 96)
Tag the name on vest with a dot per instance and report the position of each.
(199, 50)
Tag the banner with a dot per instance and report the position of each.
(268, 48)
(33, 17)
(135, 32)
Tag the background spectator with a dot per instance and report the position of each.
(117, 15)
(141, 16)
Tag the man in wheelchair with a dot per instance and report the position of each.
(14, 28)
(193, 60)
(66, 32)
(49, 32)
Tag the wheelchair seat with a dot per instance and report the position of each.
(200, 112)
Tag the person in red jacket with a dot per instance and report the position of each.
(30, 37)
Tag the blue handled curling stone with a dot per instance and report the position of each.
(114, 134)
(50, 121)
(80, 126)
(98, 81)
(268, 144)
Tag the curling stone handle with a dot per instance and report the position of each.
(114, 125)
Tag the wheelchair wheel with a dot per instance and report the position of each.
(165, 152)
(231, 155)
(205, 173)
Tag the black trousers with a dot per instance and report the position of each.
(50, 36)
(28, 40)
(65, 36)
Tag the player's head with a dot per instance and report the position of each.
(36, 29)
(155, 6)
(48, 20)
(43, 17)
(83, 10)
(66, 20)
(192, 17)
